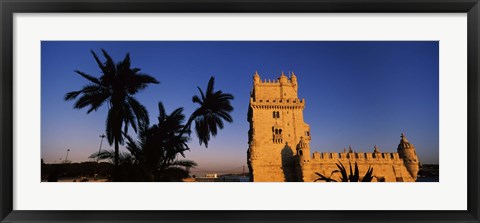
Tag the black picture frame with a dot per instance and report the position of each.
(9, 7)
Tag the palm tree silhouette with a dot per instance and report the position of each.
(116, 86)
(214, 108)
(159, 146)
(166, 138)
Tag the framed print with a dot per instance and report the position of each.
(239, 111)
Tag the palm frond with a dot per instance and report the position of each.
(103, 154)
(185, 163)
(202, 96)
(162, 115)
(211, 82)
(99, 62)
(71, 95)
(89, 77)
(139, 110)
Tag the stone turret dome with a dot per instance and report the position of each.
(293, 78)
(302, 144)
(283, 79)
(256, 77)
(404, 143)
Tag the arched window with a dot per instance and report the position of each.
(277, 135)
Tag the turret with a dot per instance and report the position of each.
(294, 81)
(256, 78)
(293, 78)
(407, 152)
(303, 150)
(283, 79)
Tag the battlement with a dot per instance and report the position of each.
(279, 140)
(274, 81)
(278, 100)
(282, 87)
(334, 157)
(277, 103)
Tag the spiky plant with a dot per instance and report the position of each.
(353, 176)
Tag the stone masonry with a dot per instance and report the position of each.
(279, 139)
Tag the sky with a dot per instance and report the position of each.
(358, 94)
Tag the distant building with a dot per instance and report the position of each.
(279, 140)
(209, 177)
(223, 178)
(234, 178)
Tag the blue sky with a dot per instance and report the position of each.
(357, 93)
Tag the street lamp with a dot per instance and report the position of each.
(66, 157)
(99, 149)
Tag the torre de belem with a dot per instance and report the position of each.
(279, 138)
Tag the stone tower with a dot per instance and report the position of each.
(407, 152)
(276, 122)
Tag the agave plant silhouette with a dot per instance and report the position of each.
(351, 177)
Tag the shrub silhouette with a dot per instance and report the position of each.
(353, 176)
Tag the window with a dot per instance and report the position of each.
(276, 114)
(307, 133)
(277, 135)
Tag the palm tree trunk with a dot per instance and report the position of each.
(116, 168)
(116, 152)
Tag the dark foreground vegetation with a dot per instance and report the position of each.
(87, 170)
(153, 155)
(93, 171)
(428, 173)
